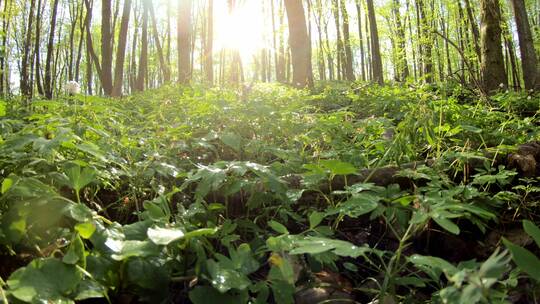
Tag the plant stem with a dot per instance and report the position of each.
(2, 293)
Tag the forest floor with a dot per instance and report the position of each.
(349, 193)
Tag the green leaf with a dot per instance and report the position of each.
(447, 224)
(315, 219)
(225, 279)
(135, 249)
(279, 228)
(433, 262)
(356, 206)
(76, 252)
(6, 184)
(524, 259)
(78, 178)
(532, 230)
(85, 229)
(44, 281)
(337, 167)
(316, 245)
(232, 140)
(164, 236)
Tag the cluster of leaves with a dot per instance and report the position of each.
(220, 194)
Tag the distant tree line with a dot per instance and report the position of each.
(126, 47)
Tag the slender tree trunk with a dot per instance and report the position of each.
(529, 61)
(474, 27)
(403, 67)
(37, 49)
(299, 42)
(209, 50)
(376, 62)
(106, 47)
(184, 41)
(349, 61)
(426, 42)
(143, 60)
(492, 66)
(79, 48)
(48, 87)
(121, 50)
(4, 51)
(26, 87)
(361, 39)
(339, 42)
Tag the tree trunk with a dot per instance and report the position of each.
(209, 52)
(492, 66)
(403, 67)
(48, 87)
(474, 27)
(361, 39)
(106, 47)
(143, 60)
(121, 50)
(349, 71)
(184, 41)
(37, 48)
(339, 43)
(3, 53)
(26, 87)
(299, 42)
(376, 60)
(529, 61)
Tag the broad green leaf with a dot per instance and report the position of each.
(356, 206)
(79, 178)
(279, 228)
(447, 224)
(225, 279)
(433, 262)
(85, 229)
(524, 259)
(44, 281)
(200, 232)
(76, 252)
(135, 249)
(315, 218)
(232, 140)
(532, 230)
(6, 184)
(164, 236)
(315, 245)
(337, 167)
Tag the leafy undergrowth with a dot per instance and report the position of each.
(269, 195)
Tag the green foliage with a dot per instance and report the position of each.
(233, 200)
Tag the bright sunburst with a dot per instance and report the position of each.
(241, 30)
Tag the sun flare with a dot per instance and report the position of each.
(242, 29)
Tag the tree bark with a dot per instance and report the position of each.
(403, 67)
(106, 47)
(209, 51)
(349, 61)
(26, 87)
(300, 45)
(376, 60)
(184, 41)
(48, 87)
(37, 48)
(121, 50)
(492, 66)
(143, 60)
(529, 61)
